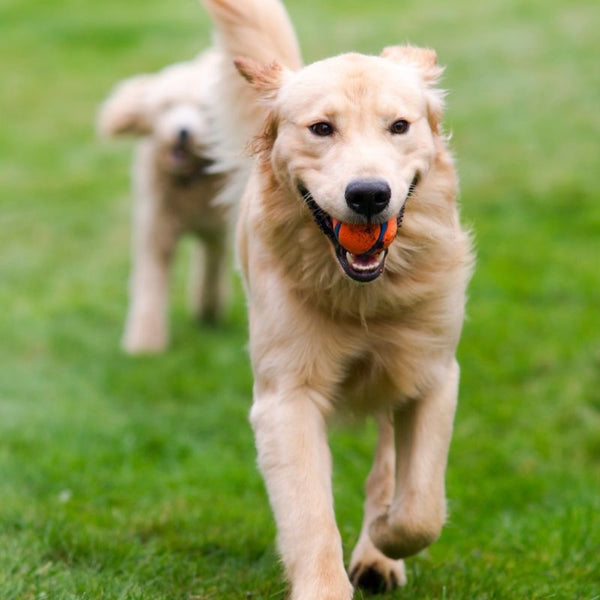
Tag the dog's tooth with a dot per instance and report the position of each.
(371, 265)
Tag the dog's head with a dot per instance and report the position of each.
(170, 106)
(351, 137)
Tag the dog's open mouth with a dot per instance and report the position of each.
(182, 156)
(187, 161)
(359, 267)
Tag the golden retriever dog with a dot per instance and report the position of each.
(176, 192)
(354, 140)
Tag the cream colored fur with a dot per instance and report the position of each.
(176, 190)
(321, 343)
(261, 31)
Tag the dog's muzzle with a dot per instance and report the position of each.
(359, 267)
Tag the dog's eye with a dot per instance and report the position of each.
(400, 126)
(322, 129)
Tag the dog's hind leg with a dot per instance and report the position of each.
(370, 569)
(417, 512)
(295, 460)
(209, 279)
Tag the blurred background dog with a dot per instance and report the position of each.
(175, 193)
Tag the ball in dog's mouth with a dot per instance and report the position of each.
(360, 249)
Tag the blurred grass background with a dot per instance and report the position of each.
(126, 478)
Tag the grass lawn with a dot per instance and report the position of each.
(130, 478)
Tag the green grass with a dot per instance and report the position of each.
(126, 478)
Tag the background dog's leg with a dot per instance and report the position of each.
(295, 460)
(370, 569)
(146, 327)
(209, 281)
(422, 431)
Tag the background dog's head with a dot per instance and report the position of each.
(351, 136)
(171, 106)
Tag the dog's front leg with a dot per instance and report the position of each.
(294, 458)
(146, 326)
(370, 569)
(417, 512)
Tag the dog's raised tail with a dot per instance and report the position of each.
(260, 30)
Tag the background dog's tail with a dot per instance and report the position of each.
(256, 29)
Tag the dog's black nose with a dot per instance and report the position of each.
(184, 135)
(368, 196)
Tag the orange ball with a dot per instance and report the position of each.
(365, 238)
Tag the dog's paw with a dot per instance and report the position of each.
(316, 589)
(378, 577)
(399, 534)
(372, 571)
(144, 341)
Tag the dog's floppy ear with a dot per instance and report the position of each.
(263, 141)
(425, 59)
(124, 111)
(265, 79)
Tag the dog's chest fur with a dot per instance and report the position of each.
(193, 202)
(363, 345)
(186, 202)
